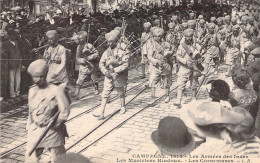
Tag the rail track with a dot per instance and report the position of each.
(3, 155)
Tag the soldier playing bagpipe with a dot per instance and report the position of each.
(188, 65)
(210, 46)
(159, 55)
(86, 54)
(114, 65)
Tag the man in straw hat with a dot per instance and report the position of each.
(86, 54)
(114, 65)
(45, 100)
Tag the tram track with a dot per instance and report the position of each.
(3, 155)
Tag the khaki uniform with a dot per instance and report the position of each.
(211, 44)
(160, 74)
(85, 56)
(120, 77)
(185, 72)
(56, 59)
(233, 50)
(145, 46)
(43, 104)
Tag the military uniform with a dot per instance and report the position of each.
(85, 56)
(156, 52)
(44, 103)
(120, 76)
(56, 58)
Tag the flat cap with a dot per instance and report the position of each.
(83, 33)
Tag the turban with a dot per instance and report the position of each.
(158, 32)
(227, 18)
(223, 31)
(236, 27)
(244, 18)
(200, 17)
(58, 11)
(119, 29)
(211, 26)
(83, 34)
(51, 33)
(234, 19)
(185, 25)
(202, 21)
(147, 25)
(156, 22)
(192, 14)
(174, 18)
(38, 68)
(171, 25)
(191, 22)
(219, 20)
(213, 19)
(188, 33)
(112, 36)
(152, 29)
(154, 16)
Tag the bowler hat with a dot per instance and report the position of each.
(173, 137)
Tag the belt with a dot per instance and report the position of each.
(53, 61)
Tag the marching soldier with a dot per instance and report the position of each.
(55, 56)
(114, 65)
(146, 35)
(187, 65)
(234, 42)
(44, 101)
(210, 46)
(173, 39)
(86, 54)
(159, 55)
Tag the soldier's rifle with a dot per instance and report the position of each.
(47, 45)
(45, 131)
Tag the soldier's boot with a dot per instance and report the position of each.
(143, 71)
(96, 88)
(152, 96)
(99, 113)
(76, 93)
(167, 92)
(122, 109)
(178, 100)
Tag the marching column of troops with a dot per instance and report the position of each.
(188, 47)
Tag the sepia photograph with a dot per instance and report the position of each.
(130, 81)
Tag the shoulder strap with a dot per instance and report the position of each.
(186, 48)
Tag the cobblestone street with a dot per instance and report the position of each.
(119, 137)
